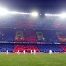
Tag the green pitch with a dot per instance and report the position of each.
(43, 59)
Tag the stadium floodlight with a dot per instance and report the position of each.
(34, 14)
(3, 11)
(52, 14)
(47, 14)
(22, 13)
(63, 15)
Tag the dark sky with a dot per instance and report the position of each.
(47, 6)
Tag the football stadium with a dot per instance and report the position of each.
(32, 38)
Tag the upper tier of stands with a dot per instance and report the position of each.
(26, 22)
(24, 28)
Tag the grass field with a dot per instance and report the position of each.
(42, 59)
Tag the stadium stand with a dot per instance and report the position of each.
(61, 35)
(26, 47)
(6, 34)
(19, 36)
(28, 35)
(18, 47)
(39, 34)
(63, 47)
(47, 47)
(4, 47)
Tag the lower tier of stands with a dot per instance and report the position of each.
(28, 47)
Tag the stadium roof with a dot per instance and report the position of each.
(40, 5)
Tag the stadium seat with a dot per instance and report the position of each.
(26, 47)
